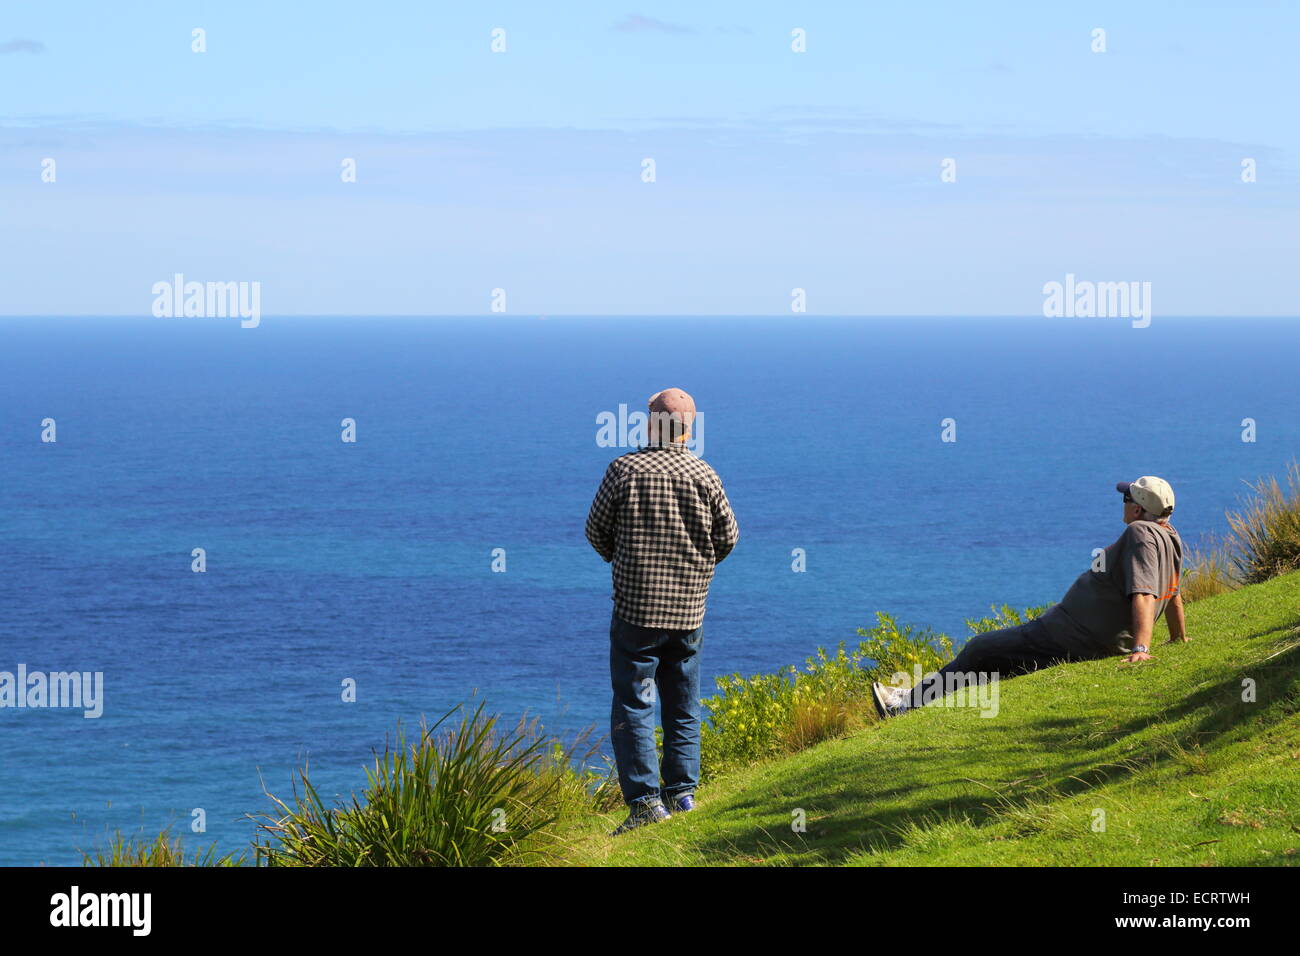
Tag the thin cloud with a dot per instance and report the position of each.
(22, 46)
(836, 118)
(635, 23)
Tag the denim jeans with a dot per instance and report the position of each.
(648, 664)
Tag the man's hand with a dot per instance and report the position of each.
(1138, 656)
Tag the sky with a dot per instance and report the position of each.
(524, 169)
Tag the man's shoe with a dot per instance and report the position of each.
(890, 701)
(683, 803)
(643, 813)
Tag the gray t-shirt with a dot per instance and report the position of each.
(1097, 611)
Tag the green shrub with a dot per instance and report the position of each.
(745, 720)
(768, 714)
(1004, 616)
(901, 650)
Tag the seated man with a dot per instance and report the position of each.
(1109, 610)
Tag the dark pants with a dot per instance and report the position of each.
(648, 664)
(1005, 653)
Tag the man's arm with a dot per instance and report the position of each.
(1142, 582)
(1177, 623)
(725, 530)
(602, 520)
(1144, 621)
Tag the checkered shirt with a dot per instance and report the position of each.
(662, 519)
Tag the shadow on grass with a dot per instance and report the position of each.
(832, 796)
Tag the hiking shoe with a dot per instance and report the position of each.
(890, 701)
(643, 813)
(682, 803)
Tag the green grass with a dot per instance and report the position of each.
(163, 849)
(1183, 769)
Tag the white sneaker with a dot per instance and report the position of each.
(891, 701)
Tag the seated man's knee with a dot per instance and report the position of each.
(979, 648)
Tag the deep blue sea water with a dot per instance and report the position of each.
(372, 560)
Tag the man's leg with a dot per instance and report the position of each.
(987, 657)
(679, 698)
(633, 662)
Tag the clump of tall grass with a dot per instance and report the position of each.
(1208, 571)
(1265, 540)
(469, 795)
(161, 850)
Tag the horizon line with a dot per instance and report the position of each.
(628, 315)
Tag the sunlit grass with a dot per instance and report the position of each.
(1192, 758)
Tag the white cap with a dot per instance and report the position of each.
(1152, 493)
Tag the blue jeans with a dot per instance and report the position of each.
(645, 664)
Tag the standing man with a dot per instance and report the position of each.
(662, 520)
(1109, 610)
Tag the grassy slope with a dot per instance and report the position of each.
(1186, 772)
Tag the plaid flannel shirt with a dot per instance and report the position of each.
(662, 520)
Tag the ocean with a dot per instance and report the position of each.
(372, 561)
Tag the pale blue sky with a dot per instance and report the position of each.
(522, 170)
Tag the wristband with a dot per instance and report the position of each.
(1140, 649)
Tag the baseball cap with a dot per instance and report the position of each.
(675, 404)
(1152, 493)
